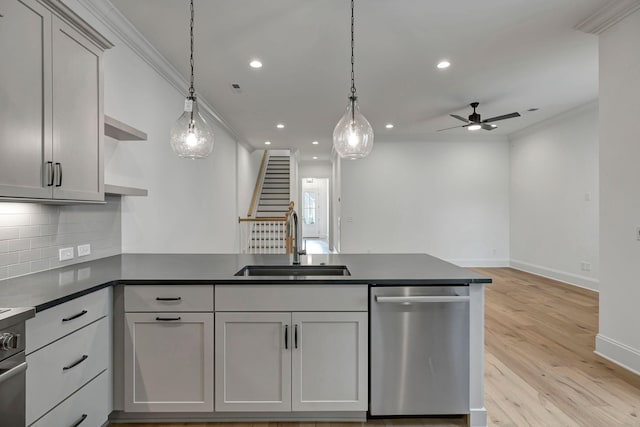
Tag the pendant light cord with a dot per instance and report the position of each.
(353, 73)
(192, 91)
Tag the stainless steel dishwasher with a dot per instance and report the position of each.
(419, 350)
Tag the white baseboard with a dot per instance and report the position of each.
(561, 276)
(478, 417)
(479, 262)
(618, 353)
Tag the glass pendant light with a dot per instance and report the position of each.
(353, 135)
(191, 135)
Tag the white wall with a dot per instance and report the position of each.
(446, 198)
(191, 205)
(554, 197)
(247, 172)
(618, 337)
(336, 204)
(317, 169)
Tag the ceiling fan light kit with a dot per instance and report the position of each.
(353, 135)
(191, 135)
(475, 122)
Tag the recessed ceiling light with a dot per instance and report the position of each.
(267, 143)
(315, 143)
(474, 127)
(255, 64)
(493, 126)
(315, 157)
(389, 126)
(280, 126)
(444, 64)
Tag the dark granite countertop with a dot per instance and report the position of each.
(48, 288)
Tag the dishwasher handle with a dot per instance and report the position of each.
(422, 299)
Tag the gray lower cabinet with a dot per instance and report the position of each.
(168, 362)
(315, 361)
(330, 361)
(253, 362)
(51, 132)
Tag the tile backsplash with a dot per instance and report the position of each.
(31, 234)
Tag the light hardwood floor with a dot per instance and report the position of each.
(540, 367)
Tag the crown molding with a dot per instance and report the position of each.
(80, 24)
(608, 16)
(116, 22)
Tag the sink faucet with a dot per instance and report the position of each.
(297, 251)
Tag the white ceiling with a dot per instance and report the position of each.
(510, 55)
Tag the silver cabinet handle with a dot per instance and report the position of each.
(426, 299)
(13, 372)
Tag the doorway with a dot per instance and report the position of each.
(315, 214)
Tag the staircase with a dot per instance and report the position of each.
(274, 195)
(264, 231)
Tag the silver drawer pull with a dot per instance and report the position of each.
(76, 363)
(425, 299)
(168, 299)
(13, 372)
(80, 421)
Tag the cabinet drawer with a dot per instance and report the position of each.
(84, 354)
(291, 298)
(88, 404)
(61, 320)
(155, 298)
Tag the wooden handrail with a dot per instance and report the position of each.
(258, 181)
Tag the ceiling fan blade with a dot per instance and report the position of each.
(453, 127)
(455, 116)
(488, 127)
(503, 117)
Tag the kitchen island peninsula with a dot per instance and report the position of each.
(193, 337)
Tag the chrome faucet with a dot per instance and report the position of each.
(296, 236)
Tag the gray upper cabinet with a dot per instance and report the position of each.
(78, 121)
(25, 98)
(51, 114)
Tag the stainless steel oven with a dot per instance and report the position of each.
(419, 350)
(13, 367)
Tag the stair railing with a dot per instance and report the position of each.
(266, 235)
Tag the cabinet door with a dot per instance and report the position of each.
(25, 99)
(329, 367)
(253, 362)
(78, 122)
(168, 363)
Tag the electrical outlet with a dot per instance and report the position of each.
(84, 250)
(65, 254)
(585, 266)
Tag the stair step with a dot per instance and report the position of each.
(274, 196)
(277, 202)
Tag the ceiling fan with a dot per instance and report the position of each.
(475, 122)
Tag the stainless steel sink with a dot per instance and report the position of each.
(294, 270)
